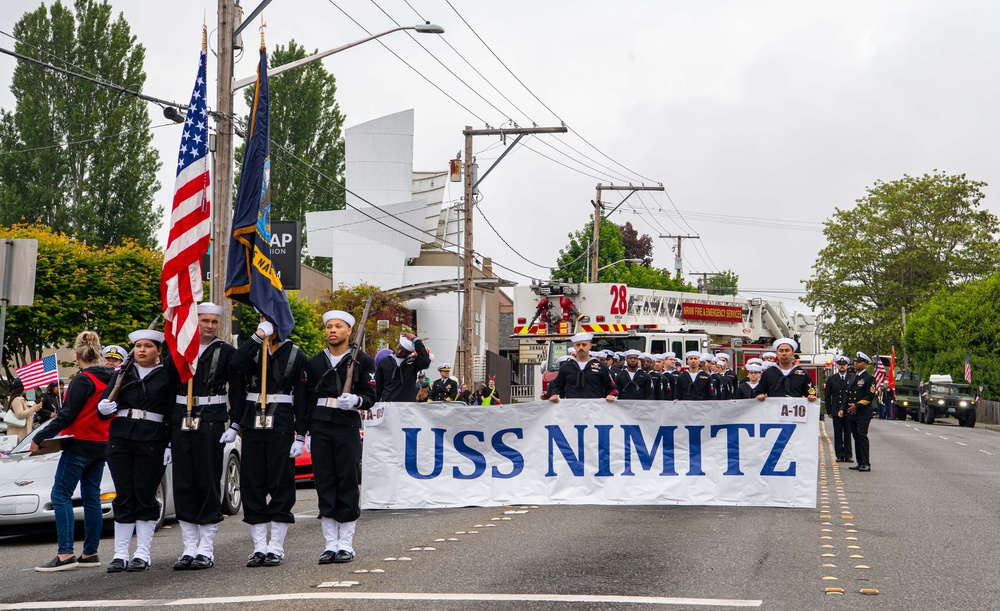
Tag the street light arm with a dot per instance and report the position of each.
(250, 80)
(621, 261)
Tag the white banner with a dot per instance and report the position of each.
(591, 452)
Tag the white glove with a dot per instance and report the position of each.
(309, 443)
(346, 401)
(168, 457)
(106, 407)
(297, 448)
(266, 328)
(229, 436)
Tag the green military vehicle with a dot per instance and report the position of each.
(907, 394)
(941, 397)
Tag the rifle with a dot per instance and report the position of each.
(113, 396)
(357, 345)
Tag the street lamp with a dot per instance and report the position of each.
(423, 28)
(621, 261)
(223, 191)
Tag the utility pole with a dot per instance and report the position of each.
(703, 285)
(222, 189)
(678, 259)
(465, 348)
(599, 205)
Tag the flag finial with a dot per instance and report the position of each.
(263, 25)
(204, 37)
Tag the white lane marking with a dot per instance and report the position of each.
(943, 437)
(928, 434)
(985, 452)
(961, 444)
(414, 596)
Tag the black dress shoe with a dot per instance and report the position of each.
(200, 562)
(183, 563)
(256, 559)
(272, 559)
(327, 557)
(855, 468)
(865, 469)
(117, 566)
(137, 565)
(343, 556)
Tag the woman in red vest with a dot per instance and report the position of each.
(83, 456)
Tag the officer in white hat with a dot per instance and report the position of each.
(138, 446)
(857, 408)
(114, 356)
(785, 378)
(274, 430)
(198, 432)
(444, 388)
(334, 405)
(769, 358)
(835, 396)
(583, 377)
(396, 375)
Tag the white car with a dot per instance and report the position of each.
(26, 486)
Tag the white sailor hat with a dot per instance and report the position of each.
(153, 336)
(445, 367)
(619, 356)
(691, 353)
(338, 315)
(608, 354)
(772, 355)
(708, 356)
(754, 367)
(582, 337)
(669, 355)
(115, 352)
(406, 343)
(786, 340)
(722, 356)
(842, 360)
(861, 356)
(571, 350)
(633, 352)
(596, 354)
(755, 361)
(563, 358)
(658, 357)
(209, 308)
(645, 355)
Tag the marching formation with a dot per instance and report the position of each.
(133, 413)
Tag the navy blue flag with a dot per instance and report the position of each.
(250, 276)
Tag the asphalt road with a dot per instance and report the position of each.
(923, 526)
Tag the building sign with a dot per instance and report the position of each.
(711, 311)
(531, 352)
(286, 252)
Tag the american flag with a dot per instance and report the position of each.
(968, 369)
(879, 372)
(190, 224)
(39, 373)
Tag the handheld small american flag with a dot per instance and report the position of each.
(39, 373)
(968, 369)
(190, 224)
(879, 372)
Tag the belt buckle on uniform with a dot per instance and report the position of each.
(265, 417)
(190, 422)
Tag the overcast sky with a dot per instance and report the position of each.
(759, 118)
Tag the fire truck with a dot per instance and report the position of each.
(653, 321)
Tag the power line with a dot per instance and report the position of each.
(516, 252)
(88, 141)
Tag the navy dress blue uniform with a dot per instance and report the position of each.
(398, 381)
(592, 381)
(774, 383)
(336, 433)
(860, 392)
(668, 385)
(835, 397)
(267, 469)
(197, 454)
(634, 385)
(655, 384)
(444, 389)
(700, 387)
(746, 391)
(722, 384)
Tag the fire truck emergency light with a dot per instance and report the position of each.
(600, 318)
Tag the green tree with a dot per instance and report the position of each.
(78, 157)
(305, 120)
(902, 242)
(308, 331)
(726, 282)
(955, 322)
(645, 277)
(573, 260)
(80, 286)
